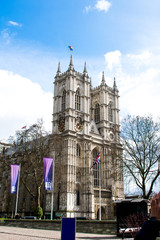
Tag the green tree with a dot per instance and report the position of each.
(141, 143)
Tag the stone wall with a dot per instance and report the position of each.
(85, 226)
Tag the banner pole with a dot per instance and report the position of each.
(17, 195)
(100, 191)
(52, 196)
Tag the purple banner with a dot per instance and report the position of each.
(48, 169)
(14, 178)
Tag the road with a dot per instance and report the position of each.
(14, 233)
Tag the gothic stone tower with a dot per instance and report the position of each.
(85, 122)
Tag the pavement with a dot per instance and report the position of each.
(15, 233)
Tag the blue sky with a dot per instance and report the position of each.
(121, 38)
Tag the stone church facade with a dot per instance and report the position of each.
(85, 123)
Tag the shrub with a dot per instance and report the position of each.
(39, 212)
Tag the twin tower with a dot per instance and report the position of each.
(85, 123)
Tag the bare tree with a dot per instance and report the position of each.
(30, 146)
(141, 143)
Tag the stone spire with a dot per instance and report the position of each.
(114, 85)
(85, 70)
(71, 67)
(59, 69)
(103, 79)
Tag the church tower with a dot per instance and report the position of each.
(71, 101)
(85, 123)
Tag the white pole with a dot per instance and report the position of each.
(17, 195)
(52, 196)
(99, 191)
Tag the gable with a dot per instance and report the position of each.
(93, 127)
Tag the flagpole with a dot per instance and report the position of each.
(100, 191)
(17, 195)
(52, 196)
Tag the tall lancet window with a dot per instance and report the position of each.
(78, 197)
(77, 100)
(97, 113)
(78, 150)
(64, 100)
(110, 112)
(95, 168)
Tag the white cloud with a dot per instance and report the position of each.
(137, 77)
(88, 8)
(22, 102)
(6, 35)
(112, 58)
(143, 58)
(16, 24)
(103, 5)
(140, 93)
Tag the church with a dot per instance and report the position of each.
(85, 124)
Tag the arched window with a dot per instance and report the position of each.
(77, 100)
(78, 150)
(78, 177)
(97, 113)
(110, 112)
(78, 198)
(95, 168)
(64, 100)
(58, 200)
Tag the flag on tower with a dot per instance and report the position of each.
(70, 48)
(98, 159)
